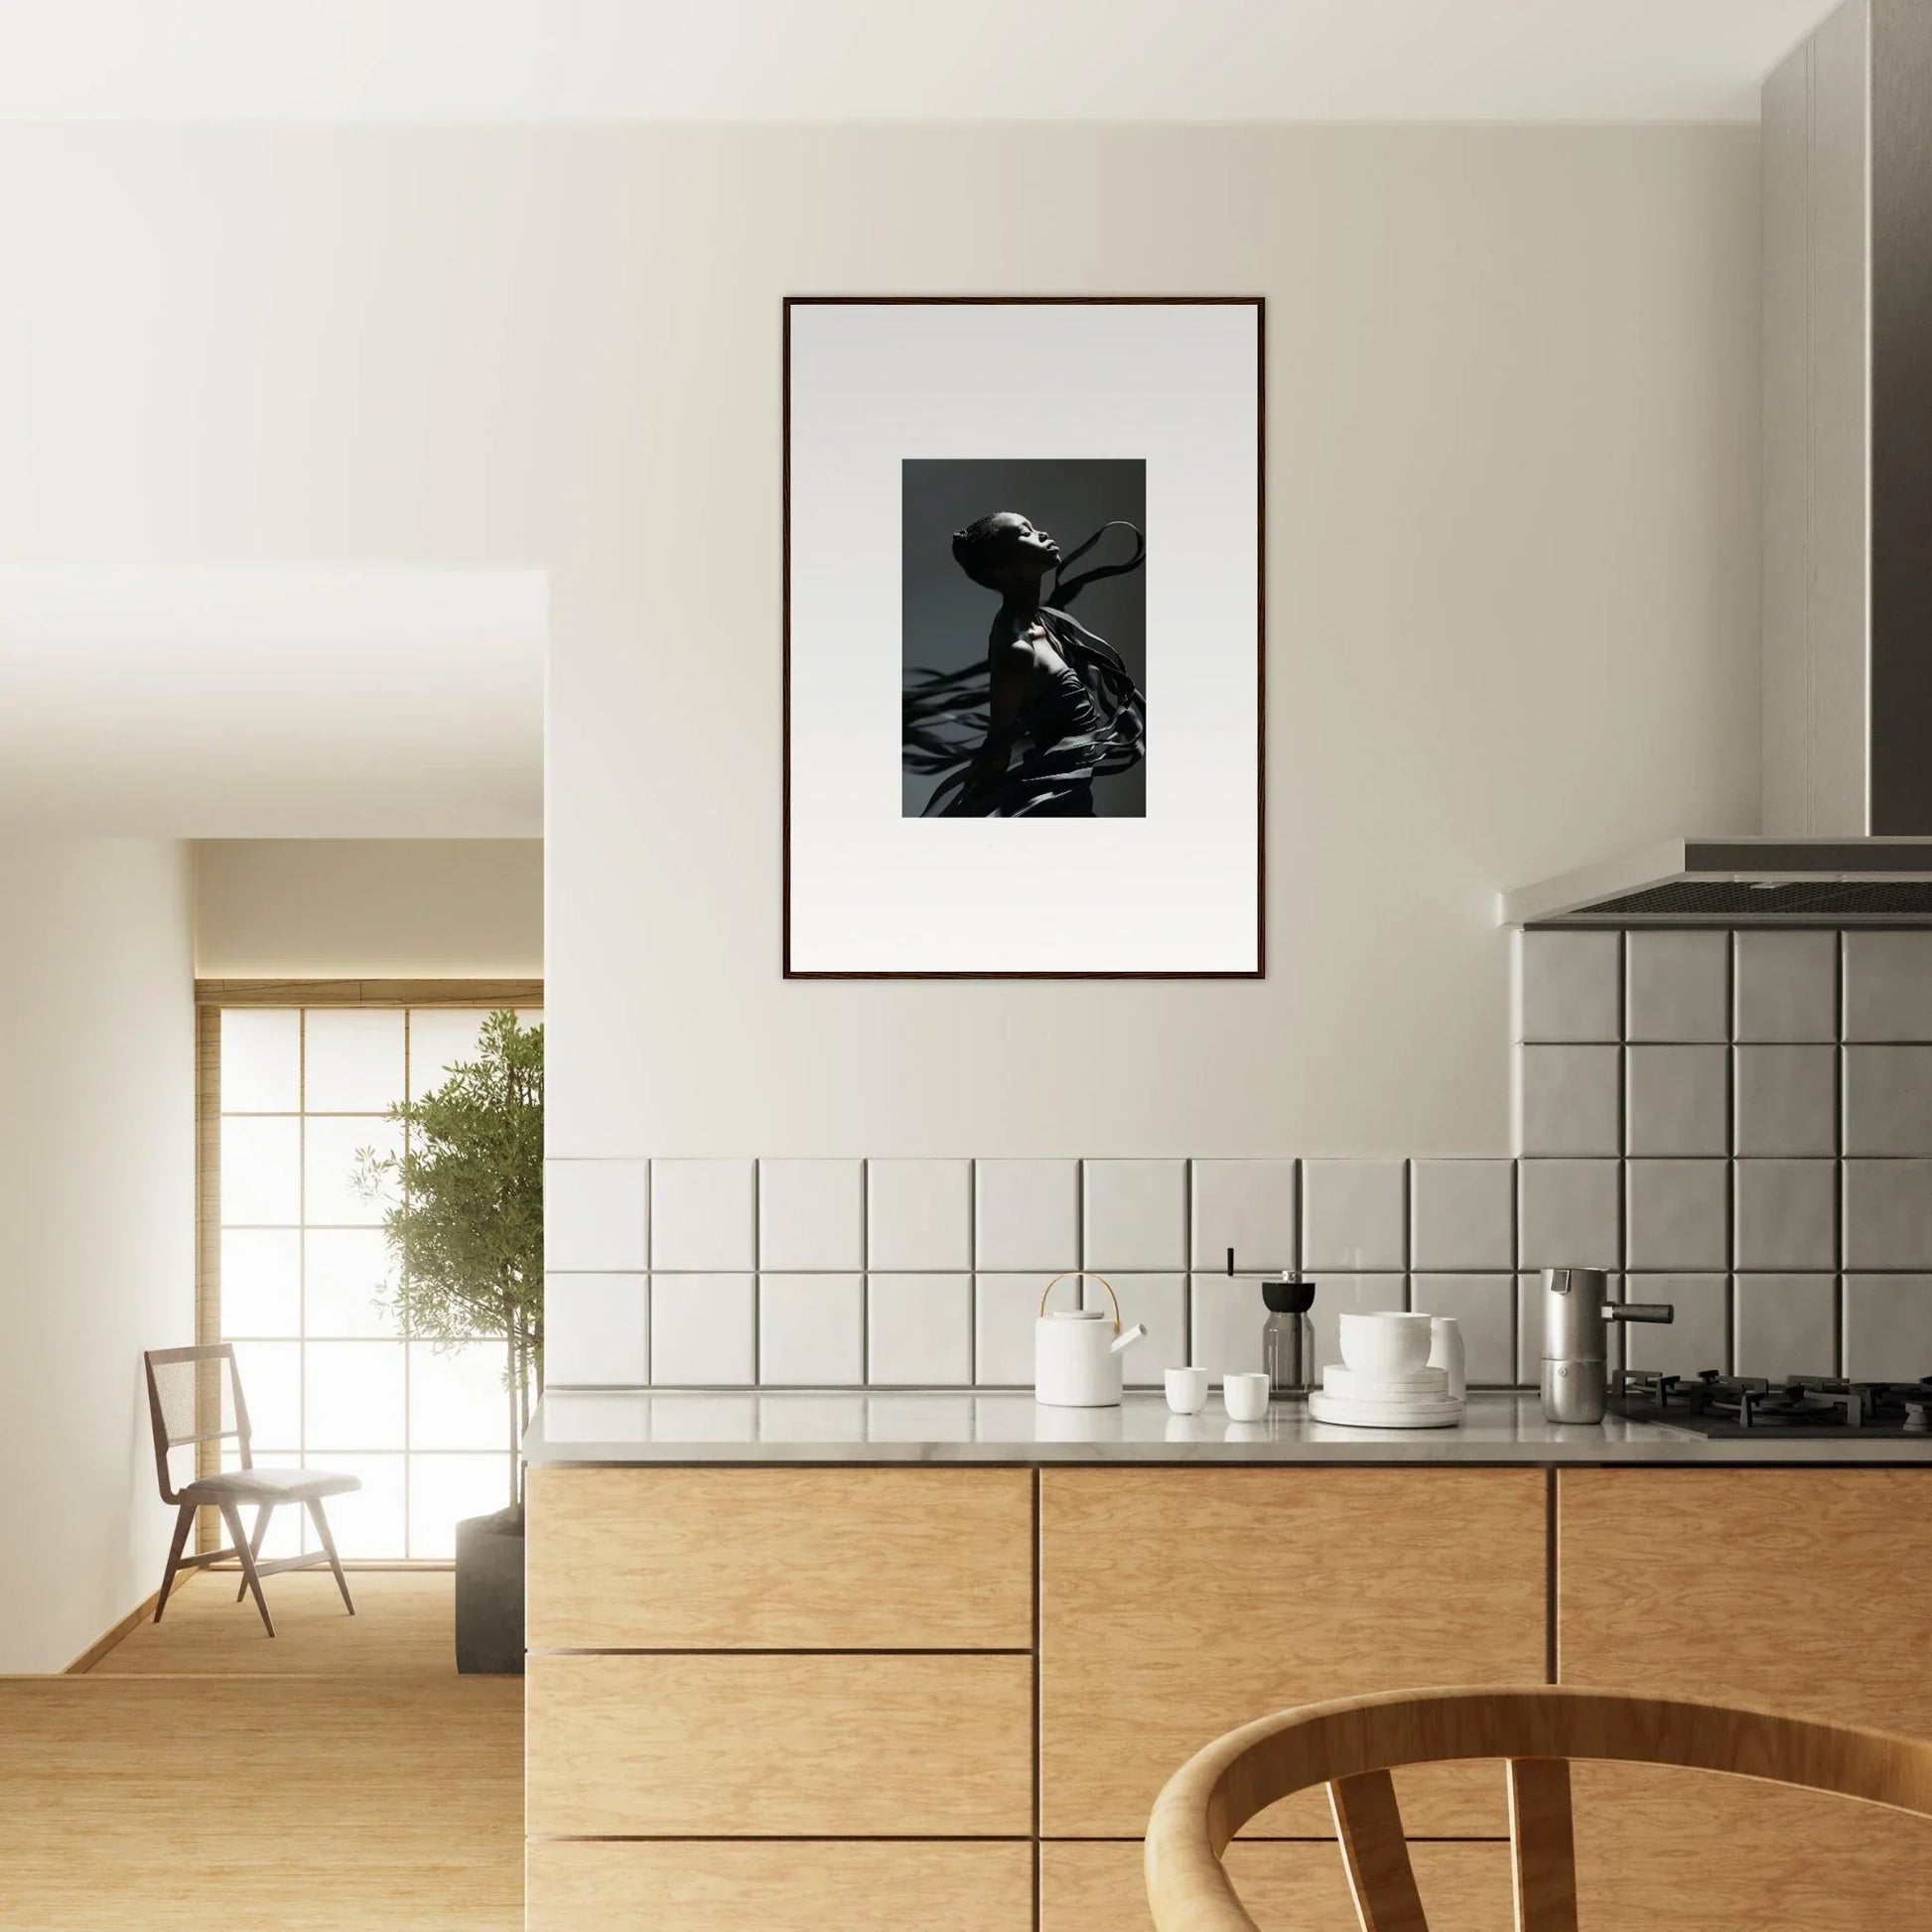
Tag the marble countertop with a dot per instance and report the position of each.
(965, 1426)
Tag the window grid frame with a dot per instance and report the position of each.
(213, 999)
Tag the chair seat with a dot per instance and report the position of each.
(268, 1486)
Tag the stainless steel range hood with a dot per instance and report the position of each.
(1846, 159)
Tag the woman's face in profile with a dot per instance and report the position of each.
(1019, 549)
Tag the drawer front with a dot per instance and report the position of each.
(1807, 1590)
(1176, 1605)
(812, 1746)
(1099, 1888)
(786, 1887)
(644, 1559)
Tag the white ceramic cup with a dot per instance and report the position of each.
(1380, 1344)
(1246, 1396)
(1445, 1351)
(1186, 1389)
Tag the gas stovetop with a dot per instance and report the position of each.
(1714, 1405)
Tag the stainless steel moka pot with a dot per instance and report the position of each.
(1577, 1316)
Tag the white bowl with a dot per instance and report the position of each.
(1380, 1345)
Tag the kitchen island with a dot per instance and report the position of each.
(866, 1660)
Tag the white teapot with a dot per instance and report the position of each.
(1078, 1352)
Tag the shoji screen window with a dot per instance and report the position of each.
(306, 1290)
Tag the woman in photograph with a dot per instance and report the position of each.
(1051, 690)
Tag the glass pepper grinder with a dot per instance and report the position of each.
(1287, 1336)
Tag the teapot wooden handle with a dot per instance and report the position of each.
(1082, 1274)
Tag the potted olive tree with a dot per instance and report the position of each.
(463, 1218)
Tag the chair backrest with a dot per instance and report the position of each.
(1352, 1745)
(194, 1396)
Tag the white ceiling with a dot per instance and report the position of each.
(893, 60)
(185, 703)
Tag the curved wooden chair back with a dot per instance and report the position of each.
(1352, 1745)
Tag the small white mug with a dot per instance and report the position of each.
(1246, 1396)
(1186, 1389)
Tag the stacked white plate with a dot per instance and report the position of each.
(1416, 1398)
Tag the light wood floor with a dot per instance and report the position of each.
(339, 1779)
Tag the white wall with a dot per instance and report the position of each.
(1512, 528)
(98, 1201)
(392, 908)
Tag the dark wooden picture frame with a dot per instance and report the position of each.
(1259, 305)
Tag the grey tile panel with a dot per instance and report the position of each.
(1676, 985)
(1786, 1100)
(1678, 1215)
(1568, 1103)
(1676, 1100)
(1887, 980)
(1786, 1215)
(1461, 1215)
(1785, 986)
(1888, 1100)
(1569, 986)
(1567, 1214)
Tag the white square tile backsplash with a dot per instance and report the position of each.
(596, 1330)
(703, 1215)
(812, 1329)
(920, 1214)
(919, 1330)
(1026, 1214)
(1762, 1102)
(594, 1215)
(1246, 1205)
(703, 1329)
(812, 1215)
(1461, 1215)
(1354, 1215)
(1134, 1213)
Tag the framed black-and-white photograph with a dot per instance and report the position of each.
(1024, 707)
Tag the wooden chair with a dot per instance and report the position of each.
(194, 1396)
(1353, 1745)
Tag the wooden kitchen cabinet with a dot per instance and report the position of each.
(784, 1886)
(1298, 1886)
(1177, 1603)
(1803, 1590)
(648, 1558)
(798, 1746)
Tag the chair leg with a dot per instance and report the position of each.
(232, 1517)
(329, 1544)
(262, 1513)
(183, 1522)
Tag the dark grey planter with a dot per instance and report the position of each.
(489, 1594)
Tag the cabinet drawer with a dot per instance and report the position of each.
(1099, 1888)
(785, 1887)
(780, 1559)
(812, 1746)
(1806, 1590)
(1176, 1605)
